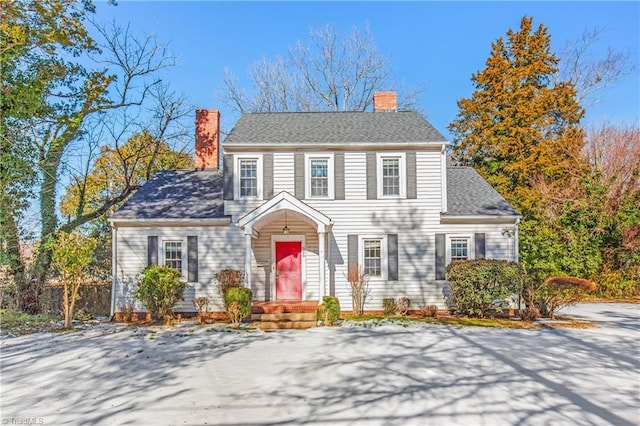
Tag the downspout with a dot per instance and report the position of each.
(114, 268)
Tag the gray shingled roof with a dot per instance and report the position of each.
(177, 194)
(332, 127)
(468, 194)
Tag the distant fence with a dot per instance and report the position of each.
(94, 299)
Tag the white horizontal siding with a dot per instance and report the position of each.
(428, 173)
(355, 176)
(218, 248)
(283, 172)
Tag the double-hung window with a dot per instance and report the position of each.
(372, 257)
(320, 175)
(173, 254)
(391, 175)
(248, 177)
(459, 249)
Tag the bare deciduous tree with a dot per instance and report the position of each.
(589, 72)
(330, 73)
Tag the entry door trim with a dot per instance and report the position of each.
(279, 238)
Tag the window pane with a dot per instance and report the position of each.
(248, 178)
(320, 178)
(391, 176)
(459, 249)
(372, 258)
(173, 254)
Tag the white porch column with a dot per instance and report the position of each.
(321, 255)
(247, 255)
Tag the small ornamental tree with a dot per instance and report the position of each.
(226, 279)
(359, 283)
(476, 284)
(71, 256)
(160, 289)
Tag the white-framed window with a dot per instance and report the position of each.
(459, 247)
(172, 254)
(372, 256)
(391, 172)
(248, 177)
(319, 176)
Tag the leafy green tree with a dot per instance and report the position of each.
(72, 255)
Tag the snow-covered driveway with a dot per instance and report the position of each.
(391, 375)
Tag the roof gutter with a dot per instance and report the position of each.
(345, 146)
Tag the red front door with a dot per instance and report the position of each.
(289, 270)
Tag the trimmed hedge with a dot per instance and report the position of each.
(237, 303)
(329, 311)
(559, 292)
(476, 284)
(160, 289)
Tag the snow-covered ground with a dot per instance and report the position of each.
(393, 375)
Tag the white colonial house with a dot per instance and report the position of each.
(300, 197)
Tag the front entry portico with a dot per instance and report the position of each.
(291, 261)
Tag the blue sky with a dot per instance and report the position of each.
(439, 44)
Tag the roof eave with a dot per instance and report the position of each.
(344, 146)
(464, 219)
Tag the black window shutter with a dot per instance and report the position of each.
(152, 250)
(267, 176)
(372, 179)
(392, 254)
(298, 174)
(192, 258)
(441, 259)
(352, 250)
(412, 178)
(480, 245)
(227, 169)
(339, 175)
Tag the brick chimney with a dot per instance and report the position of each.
(385, 101)
(207, 138)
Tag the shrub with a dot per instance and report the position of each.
(430, 311)
(529, 314)
(160, 289)
(476, 284)
(402, 306)
(237, 303)
(359, 283)
(127, 313)
(559, 292)
(329, 311)
(226, 279)
(202, 305)
(389, 307)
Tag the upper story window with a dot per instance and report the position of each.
(173, 254)
(391, 175)
(320, 176)
(248, 177)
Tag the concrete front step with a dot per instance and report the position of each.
(306, 316)
(280, 325)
